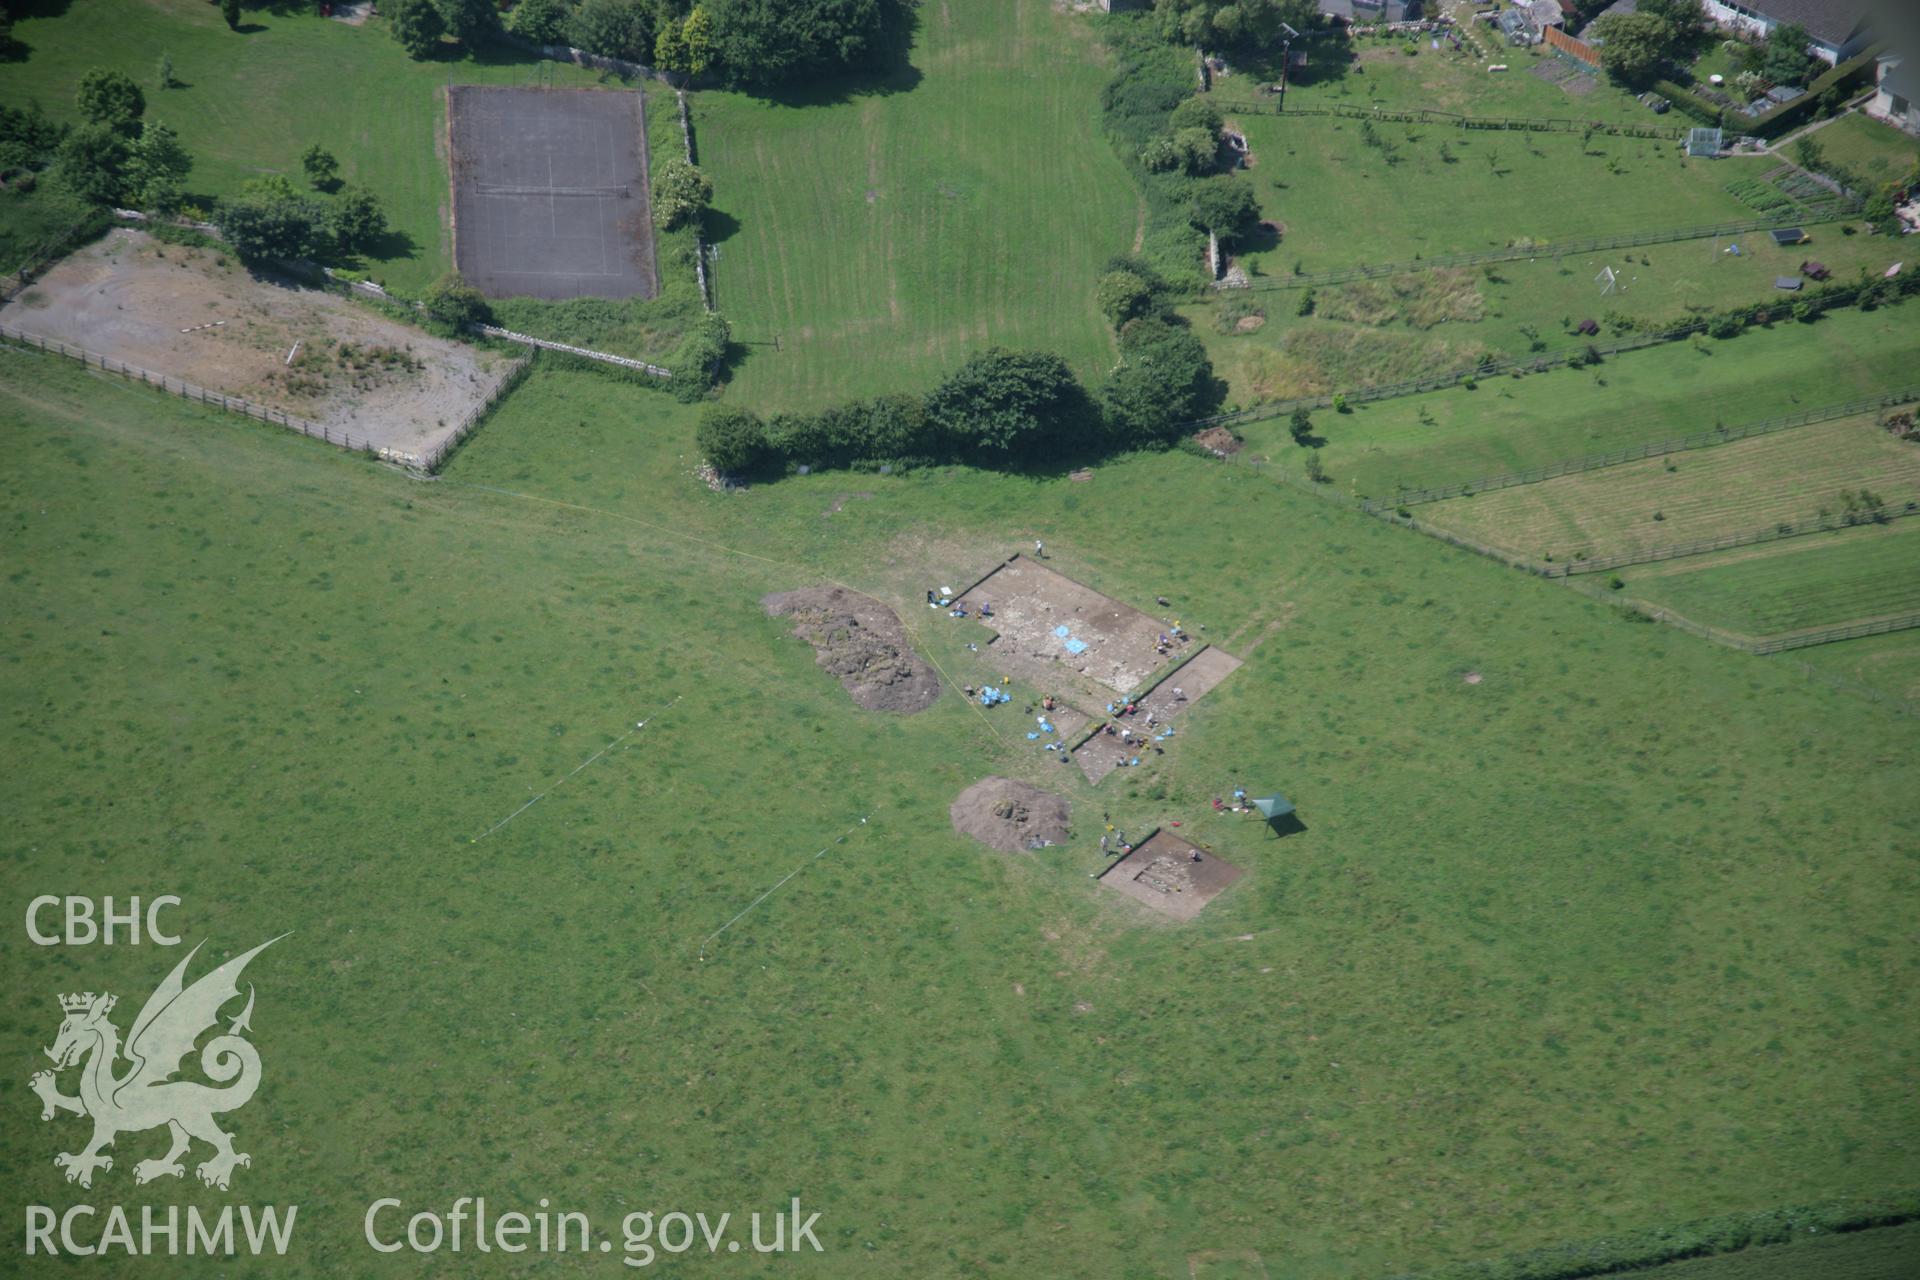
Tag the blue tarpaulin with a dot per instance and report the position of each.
(1076, 646)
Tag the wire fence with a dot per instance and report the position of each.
(1566, 575)
(1829, 635)
(1834, 680)
(266, 413)
(1825, 523)
(1540, 362)
(1654, 449)
(1517, 124)
(438, 453)
(1825, 211)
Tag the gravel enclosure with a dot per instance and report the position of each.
(550, 192)
(1011, 816)
(860, 641)
(130, 296)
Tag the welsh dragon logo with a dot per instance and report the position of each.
(146, 1095)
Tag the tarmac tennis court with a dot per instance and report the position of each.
(550, 192)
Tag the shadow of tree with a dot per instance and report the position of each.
(840, 90)
(391, 246)
(891, 71)
(719, 226)
(17, 10)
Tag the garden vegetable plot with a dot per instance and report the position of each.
(550, 192)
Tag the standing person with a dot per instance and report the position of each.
(1039, 549)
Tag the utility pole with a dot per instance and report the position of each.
(1288, 35)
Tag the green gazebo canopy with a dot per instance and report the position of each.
(1273, 806)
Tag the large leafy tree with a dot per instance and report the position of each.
(417, 25)
(1123, 296)
(696, 38)
(1639, 45)
(685, 46)
(1787, 60)
(681, 193)
(1006, 405)
(356, 219)
(111, 98)
(157, 167)
(541, 21)
(1635, 46)
(771, 41)
(92, 163)
(1234, 24)
(470, 21)
(1163, 382)
(27, 138)
(451, 300)
(272, 220)
(614, 29)
(1225, 206)
(1682, 17)
(733, 440)
(1197, 113)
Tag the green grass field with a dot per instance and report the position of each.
(1380, 73)
(1826, 580)
(1592, 925)
(1878, 152)
(974, 1064)
(1507, 307)
(1706, 493)
(884, 238)
(253, 100)
(1889, 663)
(1313, 173)
(1510, 424)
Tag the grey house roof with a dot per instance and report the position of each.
(1828, 21)
(1902, 79)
